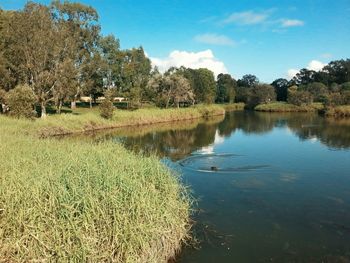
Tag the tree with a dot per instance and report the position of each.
(281, 89)
(303, 77)
(248, 81)
(20, 101)
(226, 88)
(112, 59)
(172, 89)
(338, 71)
(79, 28)
(134, 75)
(107, 107)
(261, 94)
(318, 91)
(32, 50)
(299, 97)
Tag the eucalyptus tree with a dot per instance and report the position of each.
(202, 82)
(281, 88)
(134, 74)
(226, 88)
(33, 50)
(80, 30)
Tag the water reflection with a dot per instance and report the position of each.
(270, 187)
(178, 140)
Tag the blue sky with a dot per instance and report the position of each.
(268, 38)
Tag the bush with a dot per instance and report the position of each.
(20, 101)
(300, 98)
(107, 107)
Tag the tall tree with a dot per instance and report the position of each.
(303, 77)
(248, 81)
(135, 73)
(80, 29)
(226, 88)
(281, 88)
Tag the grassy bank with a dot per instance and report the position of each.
(89, 120)
(234, 106)
(79, 201)
(286, 107)
(339, 111)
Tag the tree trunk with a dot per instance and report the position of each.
(90, 101)
(73, 104)
(43, 110)
(59, 107)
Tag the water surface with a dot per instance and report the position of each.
(270, 187)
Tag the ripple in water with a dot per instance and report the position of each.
(217, 163)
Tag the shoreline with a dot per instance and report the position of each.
(138, 118)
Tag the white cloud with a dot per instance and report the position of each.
(214, 39)
(291, 73)
(247, 18)
(194, 60)
(313, 65)
(316, 65)
(291, 22)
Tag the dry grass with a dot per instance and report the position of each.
(89, 120)
(338, 111)
(286, 107)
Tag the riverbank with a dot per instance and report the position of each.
(65, 124)
(286, 107)
(80, 201)
(338, 111)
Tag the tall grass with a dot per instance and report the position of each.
(338, 111)
(90, 120)
(70, 201)
(286, 107)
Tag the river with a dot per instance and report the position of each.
(269, 187)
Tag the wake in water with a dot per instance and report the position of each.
(217, 163)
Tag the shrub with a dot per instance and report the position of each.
(107, 107)
(20, 101)
(299, 98)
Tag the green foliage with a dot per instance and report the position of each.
(318, 91)
(345, 86)
(299, 97)
(248, 81)
(281, 89)
(260, 94)
(106, 107)
(20, 101)
(226, 89)
(202, 82)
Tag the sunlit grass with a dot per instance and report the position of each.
(339, 111)
(81, 120)
(286, 107)
(82, 202)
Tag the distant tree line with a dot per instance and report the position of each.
(53, 54)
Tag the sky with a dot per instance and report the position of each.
(267, 38)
